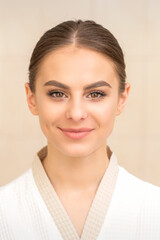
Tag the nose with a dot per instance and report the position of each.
(76, 110)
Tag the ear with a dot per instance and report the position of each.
(31, 100)
(123, 99)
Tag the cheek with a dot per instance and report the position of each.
(49, 113)
(105, 113)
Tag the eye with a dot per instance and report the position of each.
(97, 95)
(56, 94)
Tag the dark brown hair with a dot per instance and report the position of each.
(86, 34)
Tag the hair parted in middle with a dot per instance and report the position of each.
(87, 34)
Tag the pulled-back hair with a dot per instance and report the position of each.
(79, 33)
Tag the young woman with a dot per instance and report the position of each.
(75, 188)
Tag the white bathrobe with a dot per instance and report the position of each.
(124, 208)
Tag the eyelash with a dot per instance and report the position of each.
(51, 92)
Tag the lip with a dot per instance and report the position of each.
(77, 133)
(76, 129)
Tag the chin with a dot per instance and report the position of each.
(78, 151)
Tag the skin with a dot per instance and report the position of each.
(75, 167)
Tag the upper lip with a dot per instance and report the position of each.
(84, 129)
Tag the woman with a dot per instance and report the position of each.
(75, 188)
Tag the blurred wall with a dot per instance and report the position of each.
(136, 25)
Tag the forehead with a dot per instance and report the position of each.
(76, 65)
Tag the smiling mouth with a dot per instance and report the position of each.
(76, 133)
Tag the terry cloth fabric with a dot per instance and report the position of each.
(124, 207)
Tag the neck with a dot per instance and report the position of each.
(76, 173)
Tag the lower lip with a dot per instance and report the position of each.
(76, 135)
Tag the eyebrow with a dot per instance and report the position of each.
(64, 86)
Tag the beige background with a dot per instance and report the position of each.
(136, 24)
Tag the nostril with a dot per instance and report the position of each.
(76, 114)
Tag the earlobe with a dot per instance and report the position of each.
(123, 99)
(31, 100)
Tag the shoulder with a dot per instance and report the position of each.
(16, 188)
(138, 189)
(133, 180)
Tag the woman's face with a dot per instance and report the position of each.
(76, 88)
